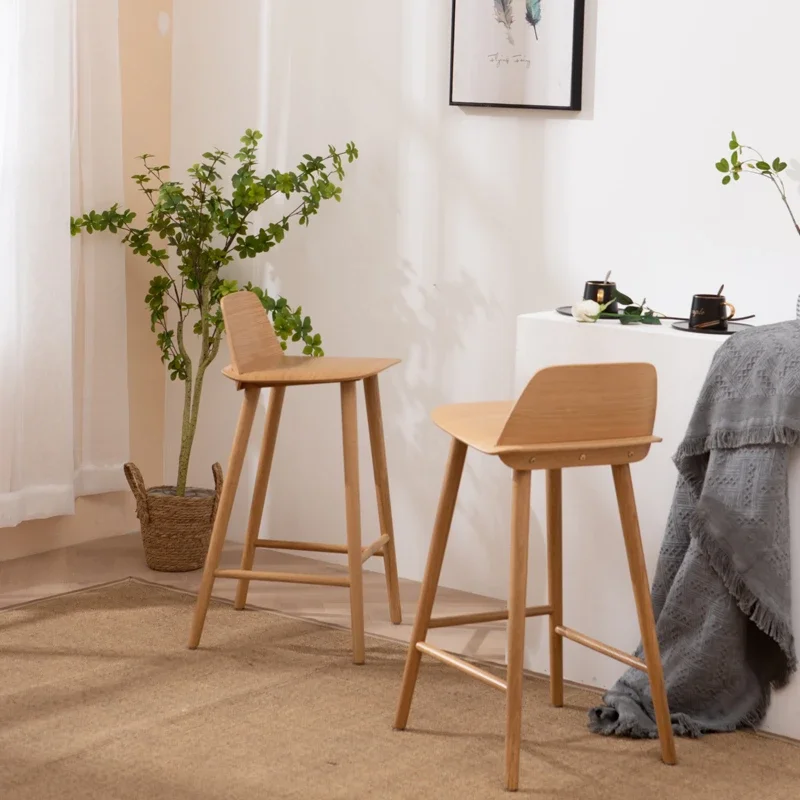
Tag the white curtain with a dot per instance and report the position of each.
(63, 371)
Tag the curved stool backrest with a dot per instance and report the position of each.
(584, 403)
(251, 338)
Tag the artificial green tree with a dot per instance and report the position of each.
(192, 232)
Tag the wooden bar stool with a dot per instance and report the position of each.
(571, 416)
(259, 362)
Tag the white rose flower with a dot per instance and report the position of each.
(586, 311)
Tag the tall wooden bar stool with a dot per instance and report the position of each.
(571, 416)
(259, 362)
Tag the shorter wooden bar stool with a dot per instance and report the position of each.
(570, 416)
(259, 362)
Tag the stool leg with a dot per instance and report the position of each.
(243, 428)
(644, 608)
(430, 582)
(353, 514)
(555, 585)
(260, 489)
(518, 585)
(381, 474)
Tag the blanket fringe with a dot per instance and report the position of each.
(607, 721)
(731, 439)
(762, 616)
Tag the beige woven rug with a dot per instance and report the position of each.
(99, 700)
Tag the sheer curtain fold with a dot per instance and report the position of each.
(63, 372)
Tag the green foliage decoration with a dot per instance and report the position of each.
(194, 230)
(746, 160)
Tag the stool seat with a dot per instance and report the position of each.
(303, 370)
(478, 425)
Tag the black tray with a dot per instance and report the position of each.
(733, 327)
(680, 325)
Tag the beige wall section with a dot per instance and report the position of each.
(145, 55)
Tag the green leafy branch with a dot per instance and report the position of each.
(746, 160)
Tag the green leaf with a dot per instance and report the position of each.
(622, 298)
(733, 144)
(762, 165)
(722, 165)
(734, 157)
(781, 166)
(726, 180)
(736, 176)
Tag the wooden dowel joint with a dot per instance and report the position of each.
(284, 577)
(601, 647)
(314, 547)
(463, 666)
(374, 549)
(485, 616)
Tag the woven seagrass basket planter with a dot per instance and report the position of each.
(175, 530)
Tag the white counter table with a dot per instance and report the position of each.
(597, 594)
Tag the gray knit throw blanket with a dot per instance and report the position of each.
(721, 592)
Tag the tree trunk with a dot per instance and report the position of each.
(192, 394)
(187, 438)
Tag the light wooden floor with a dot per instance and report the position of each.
(105, 560)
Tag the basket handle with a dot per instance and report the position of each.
(216, 471)
(136, 483)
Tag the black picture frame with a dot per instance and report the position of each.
(576, 82)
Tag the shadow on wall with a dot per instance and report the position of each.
(439, 244)
(434, 251)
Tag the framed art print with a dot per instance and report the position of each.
(517, 53)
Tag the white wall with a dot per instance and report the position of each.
(633, 188)
(455, 221)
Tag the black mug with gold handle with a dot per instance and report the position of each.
(601, 292)
(711, 312)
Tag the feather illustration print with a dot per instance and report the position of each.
(533, 14)
(504, 14)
